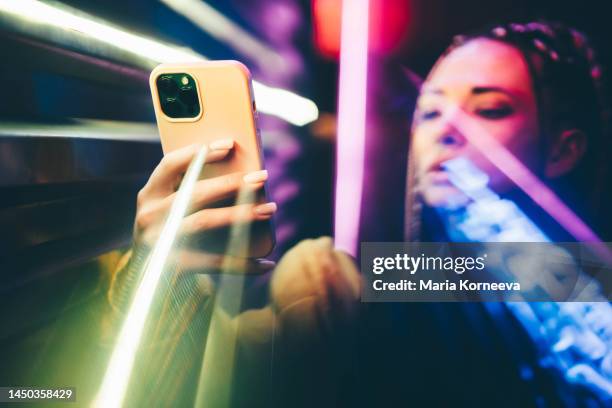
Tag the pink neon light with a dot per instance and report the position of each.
(520, 175)
(351, 123)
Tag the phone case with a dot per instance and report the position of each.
(227, 109)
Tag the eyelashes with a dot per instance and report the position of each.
(429, 115)
(495, 113)
(486, 113)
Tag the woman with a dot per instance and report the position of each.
(537, 89)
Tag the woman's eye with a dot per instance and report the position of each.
(429, 114)
(495, 113)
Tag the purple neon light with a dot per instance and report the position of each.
(520, 175)
(351, 122)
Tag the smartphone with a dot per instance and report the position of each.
(202, 102)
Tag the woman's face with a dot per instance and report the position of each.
(490, 82)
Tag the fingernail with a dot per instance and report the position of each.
(256, 177)
(265, 262)
(265, 209)
(222, 144)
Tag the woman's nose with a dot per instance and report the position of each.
(450, 138)
(447, 135)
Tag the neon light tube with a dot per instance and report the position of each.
(351, 123)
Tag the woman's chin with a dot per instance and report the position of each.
(443, 196)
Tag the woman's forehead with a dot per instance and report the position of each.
(481, 63)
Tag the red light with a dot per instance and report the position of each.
(389, 20)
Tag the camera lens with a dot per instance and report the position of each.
(167, 86)
(172, 107)
(188, 96)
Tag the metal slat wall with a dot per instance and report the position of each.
(67, 186)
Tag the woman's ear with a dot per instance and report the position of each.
(566, 152)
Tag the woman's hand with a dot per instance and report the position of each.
(314, 284)
(156, 197)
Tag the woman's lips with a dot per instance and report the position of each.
(436, 174)
(438, 177)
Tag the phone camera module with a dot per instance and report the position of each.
(178, 95)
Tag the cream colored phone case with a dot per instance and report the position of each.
(227, 109)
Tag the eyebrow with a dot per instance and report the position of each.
(486, 89)
(477, 90)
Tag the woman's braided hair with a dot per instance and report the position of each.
(570, 90)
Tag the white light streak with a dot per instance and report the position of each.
(274, 101)
(225, 30)
(296, 109)
(117, 375)
(39, 12)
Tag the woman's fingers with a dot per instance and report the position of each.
(149, 220)
(167, 175)
(205, 192)
(197, 261)
(151, 211)
(210, 218)
(229, 185)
